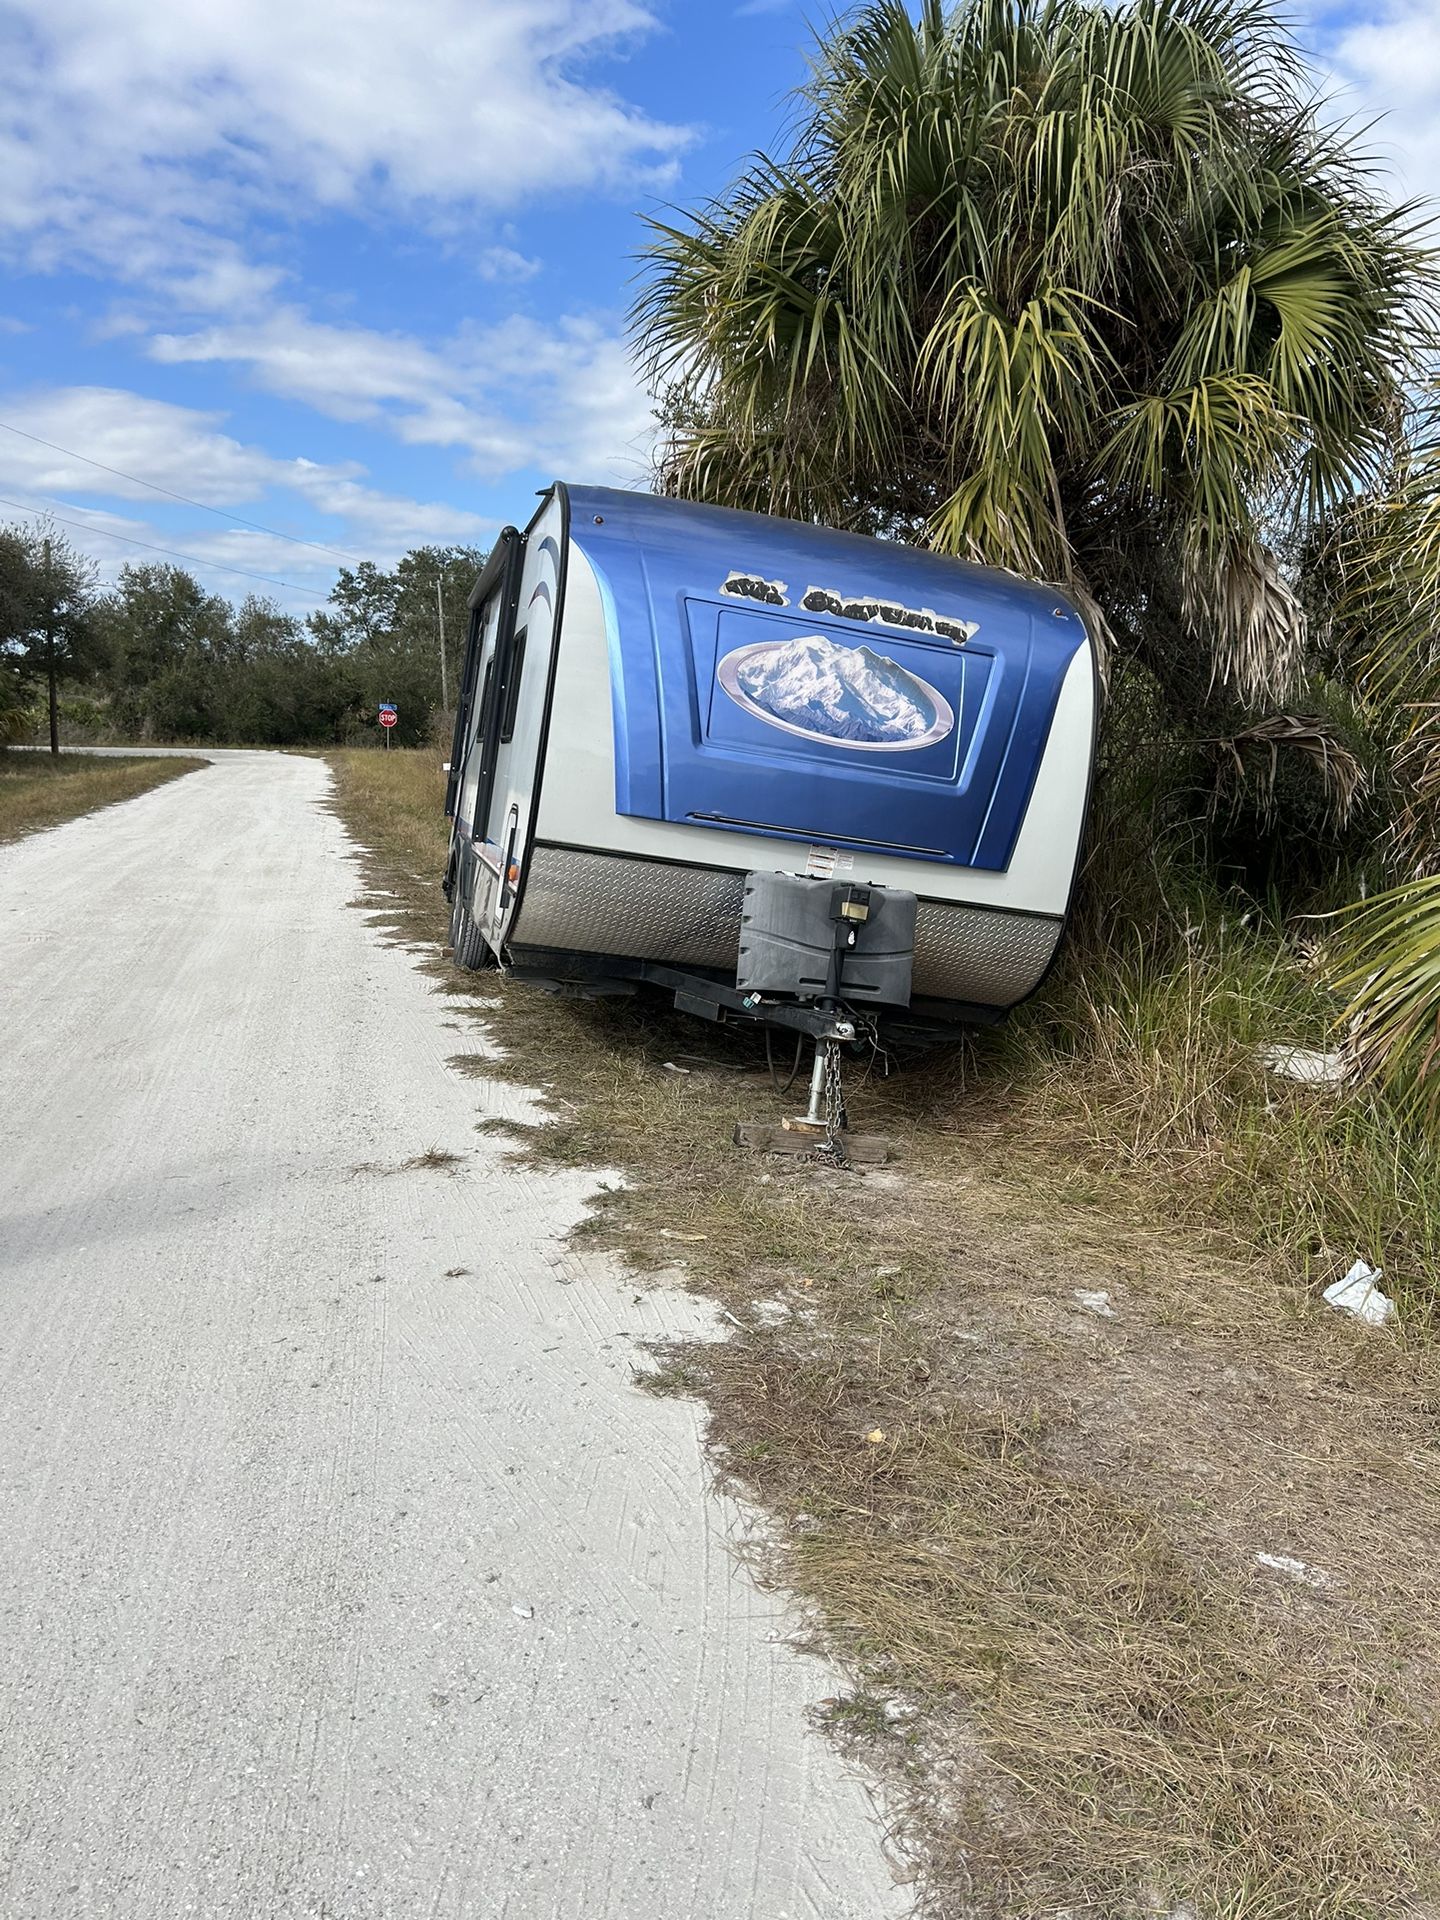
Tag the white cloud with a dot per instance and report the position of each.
(186, 452)
(1386, 68)
(517, 395)
(171, 446)
(234, 565)
(133, 136)
(217, 278)
(505, 263)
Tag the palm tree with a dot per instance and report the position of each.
(1088, 290)
(1387, 953)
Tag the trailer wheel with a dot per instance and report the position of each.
(472, 950)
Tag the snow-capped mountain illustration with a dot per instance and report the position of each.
(849, 695)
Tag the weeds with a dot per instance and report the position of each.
(38, 790)
(1151, 1069)
(432, 1160)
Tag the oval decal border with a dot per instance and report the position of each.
(730, 667)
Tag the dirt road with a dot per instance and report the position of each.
(344, 1571)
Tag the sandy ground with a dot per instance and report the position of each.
(334, 1582)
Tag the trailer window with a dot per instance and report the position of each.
(512, 686)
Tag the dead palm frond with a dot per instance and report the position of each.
(1254, 754)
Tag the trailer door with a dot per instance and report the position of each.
(492, 622)
(522, 682)
(487, 622)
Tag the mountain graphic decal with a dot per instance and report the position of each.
(845, 696)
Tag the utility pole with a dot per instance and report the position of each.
(50, 653)
(444, 677)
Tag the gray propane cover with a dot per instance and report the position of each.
(787, 934)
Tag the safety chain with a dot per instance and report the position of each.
(834, 1148)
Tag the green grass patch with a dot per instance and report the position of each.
(38, 790)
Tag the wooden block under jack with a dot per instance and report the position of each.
(764, 1136)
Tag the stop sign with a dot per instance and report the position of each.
(388, 716)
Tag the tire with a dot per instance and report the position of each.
(472, 950)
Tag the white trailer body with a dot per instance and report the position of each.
(660, 699)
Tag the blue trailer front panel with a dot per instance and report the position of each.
(776, 678)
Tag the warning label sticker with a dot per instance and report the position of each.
(822, 862)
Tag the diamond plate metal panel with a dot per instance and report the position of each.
(645, 910)
(581, 902)
(973, 953)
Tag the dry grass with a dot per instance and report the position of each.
(1151, 1069)
(38, 791)
(1031, 1531)
(432, 1160)
(1120, 1709)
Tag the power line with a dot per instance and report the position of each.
(190, 559)
(184, 498)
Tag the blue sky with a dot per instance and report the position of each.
(357, 272)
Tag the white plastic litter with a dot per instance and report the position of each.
(1094, 1300)
(1316, 1069)
(1293, 1569)
(1359, 1293)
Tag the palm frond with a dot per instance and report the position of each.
(1387, 958)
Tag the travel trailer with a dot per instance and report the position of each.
(783, 773)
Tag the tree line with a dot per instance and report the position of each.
(157, 657)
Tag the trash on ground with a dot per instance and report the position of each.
(523, 1613)
(875, 1436)
(1293, 1569)
(670, 1067)
(1307, 1064)
(690, 1239)
(1359, 1293)
(1094, 1300)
